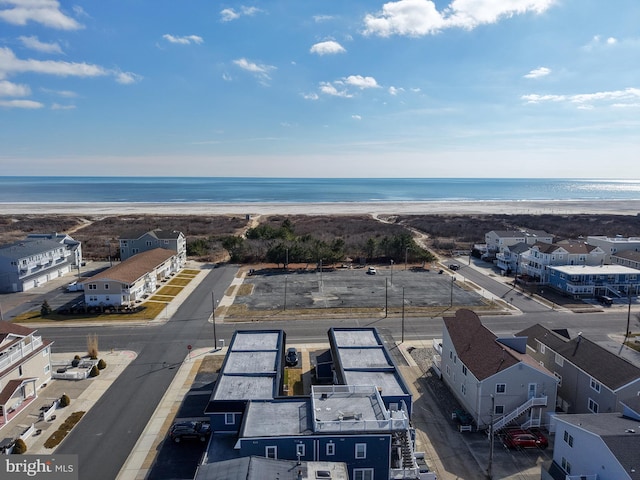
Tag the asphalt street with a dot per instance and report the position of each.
(108, 432)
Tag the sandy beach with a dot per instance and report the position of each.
(618, 207)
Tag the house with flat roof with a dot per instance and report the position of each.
(135, 242)
(36, 260)
(361, 420)
(614, 245)
(493, 378)
(25, 365)
(536, 261)
(261, 468)
(591, 379)
(584, 281)
(130, 281)
(595, 447)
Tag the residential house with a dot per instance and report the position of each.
(131, 280)
(73, 245)
(536, 261)
(134, 243)
(25, 365)
(260, 468)
(578, 281)
(363, 423)
(34, 261)
(591, 379)
(614, 245)
(494, 379)
(508, 260)
(628, 258)
(497, 240)
(595, 447)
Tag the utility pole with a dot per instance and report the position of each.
(213, 316)
(386, 298)
(453, 279)
(406, 254)
(491, 439)
(402, 315)
(392, 272)
(285, 292)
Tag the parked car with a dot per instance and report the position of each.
(291, 359)
(517, 438)
(75, 287)
(604, 300)
(454, 266)
(182, 430)
(371, 271)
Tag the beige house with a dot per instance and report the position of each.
(131, 280)
(25, 365)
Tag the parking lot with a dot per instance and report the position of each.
(354, 288)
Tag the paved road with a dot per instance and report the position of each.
(109, 431)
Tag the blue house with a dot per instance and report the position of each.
(589, 281)
(361, 420)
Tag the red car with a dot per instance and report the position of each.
(518, 438)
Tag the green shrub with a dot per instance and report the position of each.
(102, 364)
(77, 357)
(20, 447)
(94, 371)
(64, 400)
(45, 309)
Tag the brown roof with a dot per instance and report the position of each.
(135, 267)
(575, 247)
(476, 346)
(8, 328)
(10, 388)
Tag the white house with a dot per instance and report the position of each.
(497, 240)
(134, 243)
(613, 245)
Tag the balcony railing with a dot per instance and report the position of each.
(14, 357)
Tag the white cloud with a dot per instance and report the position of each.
(356, 117)
(361, 82)
(229, 14)
(28, 104)
(127, 78)
(9, 89)
(44, 12)
(538, 72)
(11, 65)
(618, 98)
(395, 90)
(322, 18)
(261, 71)
(611, 41)
(597, 42)
(57, 106)
(330, 89)
(61, 93)
(185, 40)
(421, 17)
(310, 96)
(33, 43)
(327, 48)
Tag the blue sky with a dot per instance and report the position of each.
(332, 88)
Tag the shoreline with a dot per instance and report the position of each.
(466, 207)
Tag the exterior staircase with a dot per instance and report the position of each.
(526, 406)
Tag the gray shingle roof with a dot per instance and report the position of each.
(28, 247)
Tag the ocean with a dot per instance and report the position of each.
(306, 190)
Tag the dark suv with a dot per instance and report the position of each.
(180, 430)
(291, 358)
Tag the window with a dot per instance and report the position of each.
(271, 452)
(448, 371)
(300, 450)
(331, 449)
(450, 353)
(92, 286)
(566, 466)
(45, 352)
(46, 369)
(455, 359)
(106, 286)
(464, 370)
(463, 389)
(363, 474)
(229, 418)
(501, 387)
(19, 370)
(592, 406)
(595, 385)
(559, 377)
(149, 243)
(499, 410)
(559, 360)
(361, 450)
(543, 348)
(568, 438)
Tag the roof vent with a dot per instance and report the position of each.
(629, 430)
